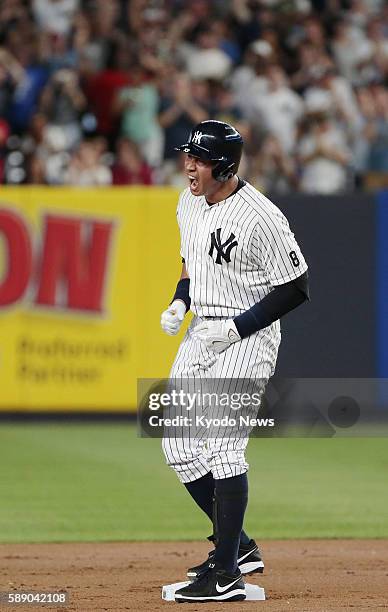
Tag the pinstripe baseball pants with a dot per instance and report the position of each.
(198, 449)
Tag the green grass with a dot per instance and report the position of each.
(95, 482)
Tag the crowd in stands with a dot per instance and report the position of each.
(98, 92)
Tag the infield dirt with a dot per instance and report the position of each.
(300, 575)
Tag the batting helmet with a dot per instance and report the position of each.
(218, 142)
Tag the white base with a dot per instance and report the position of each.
(254, 593)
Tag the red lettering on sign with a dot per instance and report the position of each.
(18, 257)
(74, 262)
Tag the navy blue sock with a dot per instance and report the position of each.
(231, 498)
(202, 491)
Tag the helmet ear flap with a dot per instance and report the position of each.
(222, 172)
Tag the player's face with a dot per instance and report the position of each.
(200, 177)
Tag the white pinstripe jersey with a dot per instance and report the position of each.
(235, 251)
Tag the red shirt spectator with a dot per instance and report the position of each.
(130, 168)
(101, 92)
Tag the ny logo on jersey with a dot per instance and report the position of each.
(223, 249)
(197, 137)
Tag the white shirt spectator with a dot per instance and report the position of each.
(86, 168)
(205, 58)
(248, 88)
(350, 48)
(88, 177)
(208, 64)
(278, 108)
(335, 94)
(247, 85)
(55, 15)
(280, 111)
(324, 156)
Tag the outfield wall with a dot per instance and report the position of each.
(85, 274)
(336, 335)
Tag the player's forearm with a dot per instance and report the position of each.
(167, 117)
(196, 113)
(184, 273)
(337, 156)
(306, 159)
(276, 304)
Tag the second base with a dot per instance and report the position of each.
(254, 592)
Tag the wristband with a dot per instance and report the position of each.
(182, 292)
(252, 320)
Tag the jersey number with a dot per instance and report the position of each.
(294, 258)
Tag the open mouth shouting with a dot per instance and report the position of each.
(193, 181)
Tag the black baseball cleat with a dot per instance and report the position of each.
(249, 561)
(213, 585)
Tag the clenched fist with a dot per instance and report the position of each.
(171, 319)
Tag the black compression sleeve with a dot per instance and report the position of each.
(182, 292)
(281, 300)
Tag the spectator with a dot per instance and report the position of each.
(194, 17)
(223, 107)
(350, 48)
(314, 34)
(91, 53)
(102, 88)
(206, 59)
(58, 52)
(34, 140)
(373, 148)
(149, 71)
(11, 11)
(103, 16)
(280, 109)
(62, 102)
(35, 170)
(153, 45)
(323, 156)
(11, 73)
(247, 21)
(367, 134)
(54, 16)
(85, 168)
(310, 63)
(271, 170)
(129, 167)
(248, 81)
(32, 79)
(331, 92)
(137, 105)
(173, 173)
(179, 111)
(226, 39)
(374, 62)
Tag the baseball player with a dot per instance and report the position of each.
(242, 271)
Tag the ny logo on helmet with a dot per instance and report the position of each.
(216, 243)
(197, 137)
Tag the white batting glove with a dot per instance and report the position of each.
(171, 319)
(217, 335)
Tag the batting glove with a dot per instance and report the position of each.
(217, 335)
(172, 318)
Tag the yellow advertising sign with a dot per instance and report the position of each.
(84, 277)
